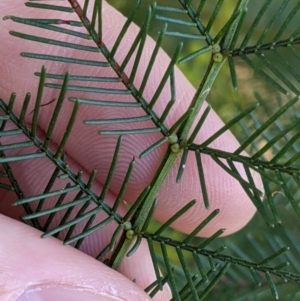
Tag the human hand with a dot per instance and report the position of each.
(47, 263)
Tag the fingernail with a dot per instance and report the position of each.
(61, 293)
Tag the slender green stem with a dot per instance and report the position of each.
(200, 95)
(157, 183)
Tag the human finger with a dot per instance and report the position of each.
(224, 192)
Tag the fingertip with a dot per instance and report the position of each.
(224, 191)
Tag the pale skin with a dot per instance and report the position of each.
(63, 264)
